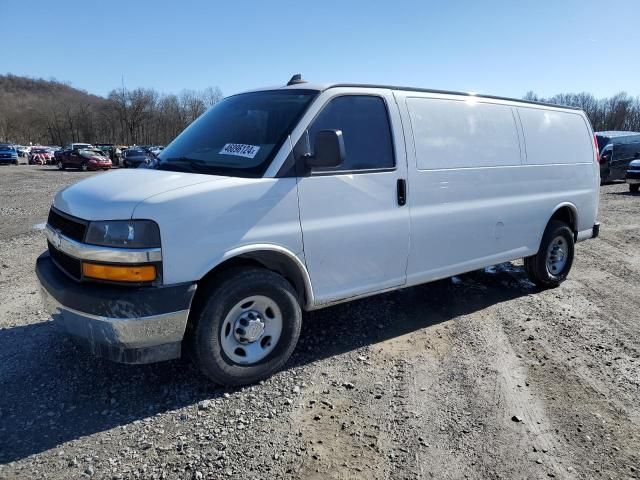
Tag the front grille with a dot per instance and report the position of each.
(633, 173)
(71, 266)
(69, 226)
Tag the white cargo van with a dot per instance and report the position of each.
(294, 198)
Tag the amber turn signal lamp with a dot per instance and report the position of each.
(119, 273)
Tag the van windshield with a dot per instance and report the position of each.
(239, 136)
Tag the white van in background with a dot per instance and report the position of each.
(298, 197)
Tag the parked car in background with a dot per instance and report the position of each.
(111, 151)
(41, 156)
(84, 159)
(103, 146)
(134, 157)
(617, 150)
(155, 151)
(633, 176)
(8, 154)
(23, 151)
(296, 198)
(63, 153)
(73, 146)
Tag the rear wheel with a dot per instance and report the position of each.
(633, 187)
(84, 167)
(60, 165)
(245, 327)
(551, 265)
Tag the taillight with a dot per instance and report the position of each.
(596, 149)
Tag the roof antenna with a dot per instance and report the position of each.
(296, 79)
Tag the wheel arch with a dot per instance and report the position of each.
(565, 212)
(568, 213)
(272, 257)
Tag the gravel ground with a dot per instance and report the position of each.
(480, 376)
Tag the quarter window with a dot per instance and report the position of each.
(364, 123)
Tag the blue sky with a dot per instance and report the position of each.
(488, 46)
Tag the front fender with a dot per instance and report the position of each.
(258, 250)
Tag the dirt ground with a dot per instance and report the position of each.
(482, 376)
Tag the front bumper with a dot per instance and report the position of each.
(123, 324)
(633, 176)
(98, 166)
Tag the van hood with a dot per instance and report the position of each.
(114, 195)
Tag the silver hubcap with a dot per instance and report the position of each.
(557, 255)
(251, 329)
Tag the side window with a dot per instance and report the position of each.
(365, 129)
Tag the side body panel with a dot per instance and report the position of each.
(625, 150)
(560, 156)
(476, 197)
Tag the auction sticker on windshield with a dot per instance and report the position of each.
(240, 150)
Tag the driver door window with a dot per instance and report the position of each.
(364, 122)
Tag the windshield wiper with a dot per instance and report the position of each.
(194, 164)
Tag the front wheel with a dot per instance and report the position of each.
(246, 327)
(60, 166)
(550, 266)
(84, 167)
(633, 187)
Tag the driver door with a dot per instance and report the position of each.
(75, 160)
(355, 223)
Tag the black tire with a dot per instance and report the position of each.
(536, 265)
(604, 175)
(633, 187)
(61, 166)
(214, 303)
(84, 167)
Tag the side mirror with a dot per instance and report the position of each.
(328, 150)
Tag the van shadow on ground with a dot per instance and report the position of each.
(625, 193)
(52, 392)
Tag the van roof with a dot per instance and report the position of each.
(322, 87)
(616, 133)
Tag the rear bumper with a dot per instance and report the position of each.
(122, 324)
(592, 232)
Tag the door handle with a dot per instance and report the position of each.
(401, 190)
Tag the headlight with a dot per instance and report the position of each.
(124, 233)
